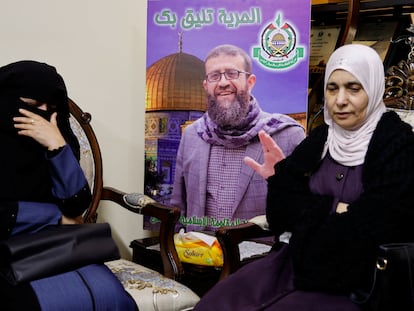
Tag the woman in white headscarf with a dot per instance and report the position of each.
(346, 189)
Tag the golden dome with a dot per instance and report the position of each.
(175, 82)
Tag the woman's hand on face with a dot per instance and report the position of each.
(272, 155)
(43, 131)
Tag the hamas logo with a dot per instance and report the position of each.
(278, 46)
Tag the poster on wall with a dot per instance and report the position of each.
(180, 33)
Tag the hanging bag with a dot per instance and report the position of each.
(55, 249)
(393, 286)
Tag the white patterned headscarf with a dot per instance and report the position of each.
(348, 147)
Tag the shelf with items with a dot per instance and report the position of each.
(358, 19)
(316, 2)
(338, 22)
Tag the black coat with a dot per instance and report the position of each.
(337, 252)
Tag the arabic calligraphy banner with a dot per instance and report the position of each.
(181, 32)
(281, 70)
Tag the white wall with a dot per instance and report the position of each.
(99, 48)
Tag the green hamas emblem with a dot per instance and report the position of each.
(278, 46)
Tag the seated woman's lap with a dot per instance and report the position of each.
(267, 284)
(92, 287)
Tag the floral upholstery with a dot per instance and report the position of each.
(86, 157)
(151, 290)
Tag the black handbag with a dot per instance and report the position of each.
(55, 249)
(393, 286)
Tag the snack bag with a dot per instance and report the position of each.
(198, 248)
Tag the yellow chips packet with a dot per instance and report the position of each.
(198, 248)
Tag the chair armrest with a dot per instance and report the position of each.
(230, 238)
(168, 217)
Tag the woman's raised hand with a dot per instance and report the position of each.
(272, 155)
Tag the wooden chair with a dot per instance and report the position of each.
(230, 239)
(199, 278)
(150, 289)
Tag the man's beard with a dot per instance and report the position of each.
(231, 116)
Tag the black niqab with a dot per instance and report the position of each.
(24, 172)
